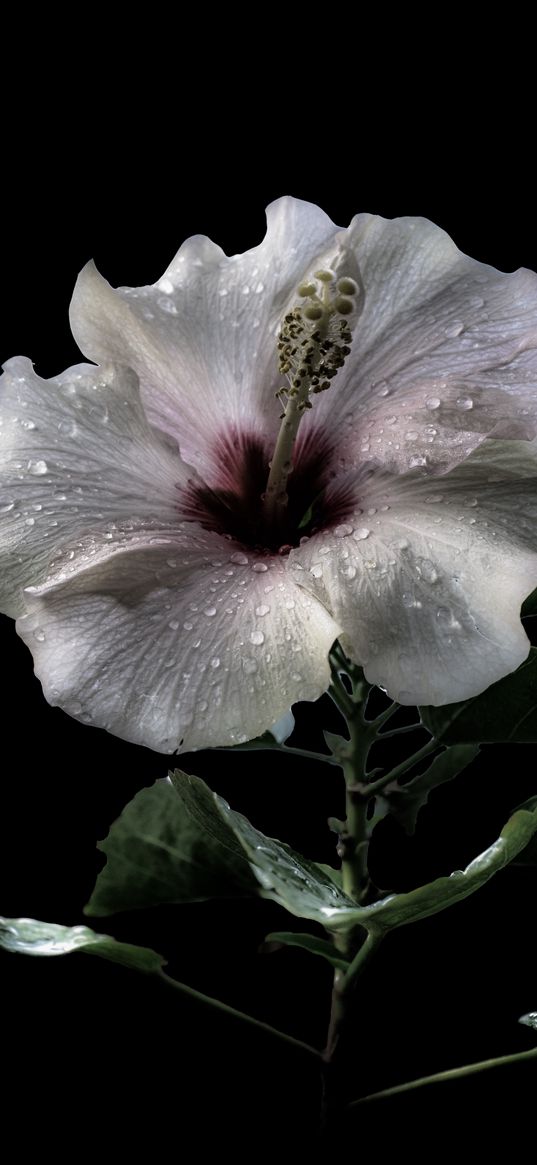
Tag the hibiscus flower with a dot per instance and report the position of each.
(175, 589)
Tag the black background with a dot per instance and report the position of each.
(116, 157)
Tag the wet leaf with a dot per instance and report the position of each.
(29, 936)
(405, 801)
(507, 711)
(308, 942)
(169, 845)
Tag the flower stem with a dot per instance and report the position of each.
(449, 1074)
(344, 983)
(258, 1024)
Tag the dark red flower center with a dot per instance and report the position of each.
(233, 503)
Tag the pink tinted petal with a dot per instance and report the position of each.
(444, 353)
(203, 339)
(176, 640)
(428, 578)
(76, 453)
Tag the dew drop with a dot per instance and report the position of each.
(249, 666)
(239, 558)
(257, 638)
(408, 600)
(470, 502)
(39, 634)
(173, 624)
(260, 567)
(343, 531)
(432, 402)
(262, 610)
(210, 611)
(30, 521)
(316, 570)
(215, 662)
(465, 402)
(361, 532)
(187, 626)
(427, 569)
(38, 468)
(6, 505)
(28, 424)
(454, 329)
(167, 305)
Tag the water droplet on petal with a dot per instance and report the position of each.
(465, 402)
(361, 532)
(210, 611)
(262, 610)
(343, 531)
(454, 329)
(416, 460)
(257, 638)
(6, 504)
(67, 427)
(260, 567)
(432, 402)
(215, 662)
(427, 569)
(38, 468)
(239, 558)
(316, 570)
(39, 634)
(173, 624)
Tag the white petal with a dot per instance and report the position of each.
(429, 583)
(202, 339)
(176, 641)
(283, 728)
(76, 452)
(444, 353)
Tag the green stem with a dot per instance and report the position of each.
(399, 731)
(304, 752)
(399, 770)
(343, 989)
(449, 1074)
(258, 1024)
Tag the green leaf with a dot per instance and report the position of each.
(303, 887)
(405, 801)
(170, 845)
(29, 936)
(308, 942)
(507, 711)
(179, 842)
(528, 857)
(400, 909)
(529, 1020)
(335, 743)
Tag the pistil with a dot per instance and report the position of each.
(313, 344)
